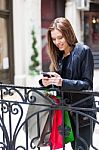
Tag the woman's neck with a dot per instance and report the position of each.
(67, 51)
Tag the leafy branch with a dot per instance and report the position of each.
(34, 58)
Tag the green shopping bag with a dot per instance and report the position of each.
(69, 136)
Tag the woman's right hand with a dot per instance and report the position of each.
(52, 79)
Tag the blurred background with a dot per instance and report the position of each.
(23, 28)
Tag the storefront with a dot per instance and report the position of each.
(91, 31)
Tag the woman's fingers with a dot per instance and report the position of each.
(53, 74)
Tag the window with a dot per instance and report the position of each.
(6, 42)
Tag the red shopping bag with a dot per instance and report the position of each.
(56, 138)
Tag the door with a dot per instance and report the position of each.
(6, 42)
(91, 34)
(49, 11)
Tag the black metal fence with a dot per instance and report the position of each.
(26, 116)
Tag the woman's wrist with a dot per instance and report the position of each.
(60, 82)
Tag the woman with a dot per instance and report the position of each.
(71, 69)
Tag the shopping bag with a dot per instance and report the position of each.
(43, 119)
(56, 136)
(69, 136)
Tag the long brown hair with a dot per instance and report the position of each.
(64, 26)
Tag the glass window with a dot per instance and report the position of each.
(4, 64)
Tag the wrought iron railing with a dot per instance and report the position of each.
(26, 117)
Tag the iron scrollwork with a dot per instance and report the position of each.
(14, 104)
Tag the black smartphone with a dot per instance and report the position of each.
(45, 74)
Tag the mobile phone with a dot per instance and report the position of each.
(45, 74)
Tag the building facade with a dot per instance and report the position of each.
(19, 17)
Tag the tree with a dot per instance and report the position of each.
(34, 58)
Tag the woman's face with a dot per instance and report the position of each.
(59, 40)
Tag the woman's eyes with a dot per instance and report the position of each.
(59, 38)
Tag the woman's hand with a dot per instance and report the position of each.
(55, 79)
